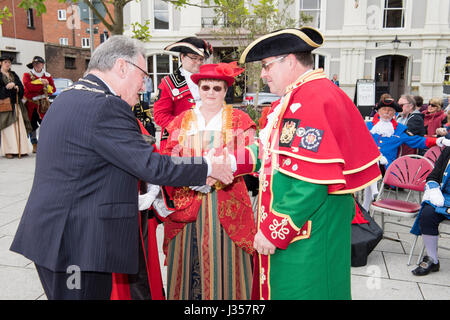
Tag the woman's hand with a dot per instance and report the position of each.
(11, 85)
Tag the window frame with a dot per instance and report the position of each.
(30, 18)
(169, 16)
(62, 15)
(154, 72)
(385, 11)
(64, 41)
(83, 40)
(320, 13)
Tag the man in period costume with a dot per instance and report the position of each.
(309, 168)
(177, 92)
(81, 221)
(38, 85)
(389, 134)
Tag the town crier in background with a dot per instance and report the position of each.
(177, 92)
(38, 84)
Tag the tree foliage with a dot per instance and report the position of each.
(113, 19)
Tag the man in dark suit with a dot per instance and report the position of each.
(80, 223)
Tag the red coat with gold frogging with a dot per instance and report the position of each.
(174, 97)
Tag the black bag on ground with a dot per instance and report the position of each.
(365, 237)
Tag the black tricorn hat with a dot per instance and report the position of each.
(192, 45)
(4, 57)
(388, 102)
(35, 59)
(281, 42)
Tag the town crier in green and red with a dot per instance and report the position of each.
(312, 155)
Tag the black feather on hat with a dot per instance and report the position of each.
(388, 102)
(192, 45)
(281, 42)
(35, 59)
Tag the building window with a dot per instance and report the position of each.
(62, 15)
(30, 18)
(394, 14)
(69, 63)
(160, 65)
(85, 43)
(319, 61)
(161, 12)
(310, 12)
(11, 54)
(64, 41)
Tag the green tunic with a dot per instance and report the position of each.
(317, 267)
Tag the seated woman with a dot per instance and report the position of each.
(434, 115)
(209, 238)
(436, 202)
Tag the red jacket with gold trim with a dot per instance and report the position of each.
(33, 90)
(318, 136)
(173, 98)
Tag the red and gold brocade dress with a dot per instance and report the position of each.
(208, 240)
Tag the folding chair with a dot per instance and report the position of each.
(433, 153)
(408, 172)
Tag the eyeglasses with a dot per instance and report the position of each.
(433, 105)
(145, 72)
(215, 88)
(196, 59)
(266, 65)
(403, 104)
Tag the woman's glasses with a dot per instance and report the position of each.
(215, 88)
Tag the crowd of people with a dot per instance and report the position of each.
(28, 102)
(409, 127)
(101, 185)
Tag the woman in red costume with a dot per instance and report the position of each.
(209, 238)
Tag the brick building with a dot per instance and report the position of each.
(21, 36)
(61, 36)
(67, 38)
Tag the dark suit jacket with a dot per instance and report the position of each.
(83, 206)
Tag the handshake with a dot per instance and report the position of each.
(220, 167)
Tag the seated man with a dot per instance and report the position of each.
(436, 202)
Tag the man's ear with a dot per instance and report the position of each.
(121, 68)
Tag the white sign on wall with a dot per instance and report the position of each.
(365, 92)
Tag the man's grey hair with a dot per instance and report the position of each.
(115, 47)
(409, 98)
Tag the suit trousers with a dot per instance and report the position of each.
(75, 284)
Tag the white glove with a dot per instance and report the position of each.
(161, 208)
(203, 189)
(441, 131)
(435, 196)
(442, 141)
(383, 161)
(146, 199)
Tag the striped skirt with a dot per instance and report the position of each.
(204, 264)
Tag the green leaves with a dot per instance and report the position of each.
(141, 31)
(5, 14)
